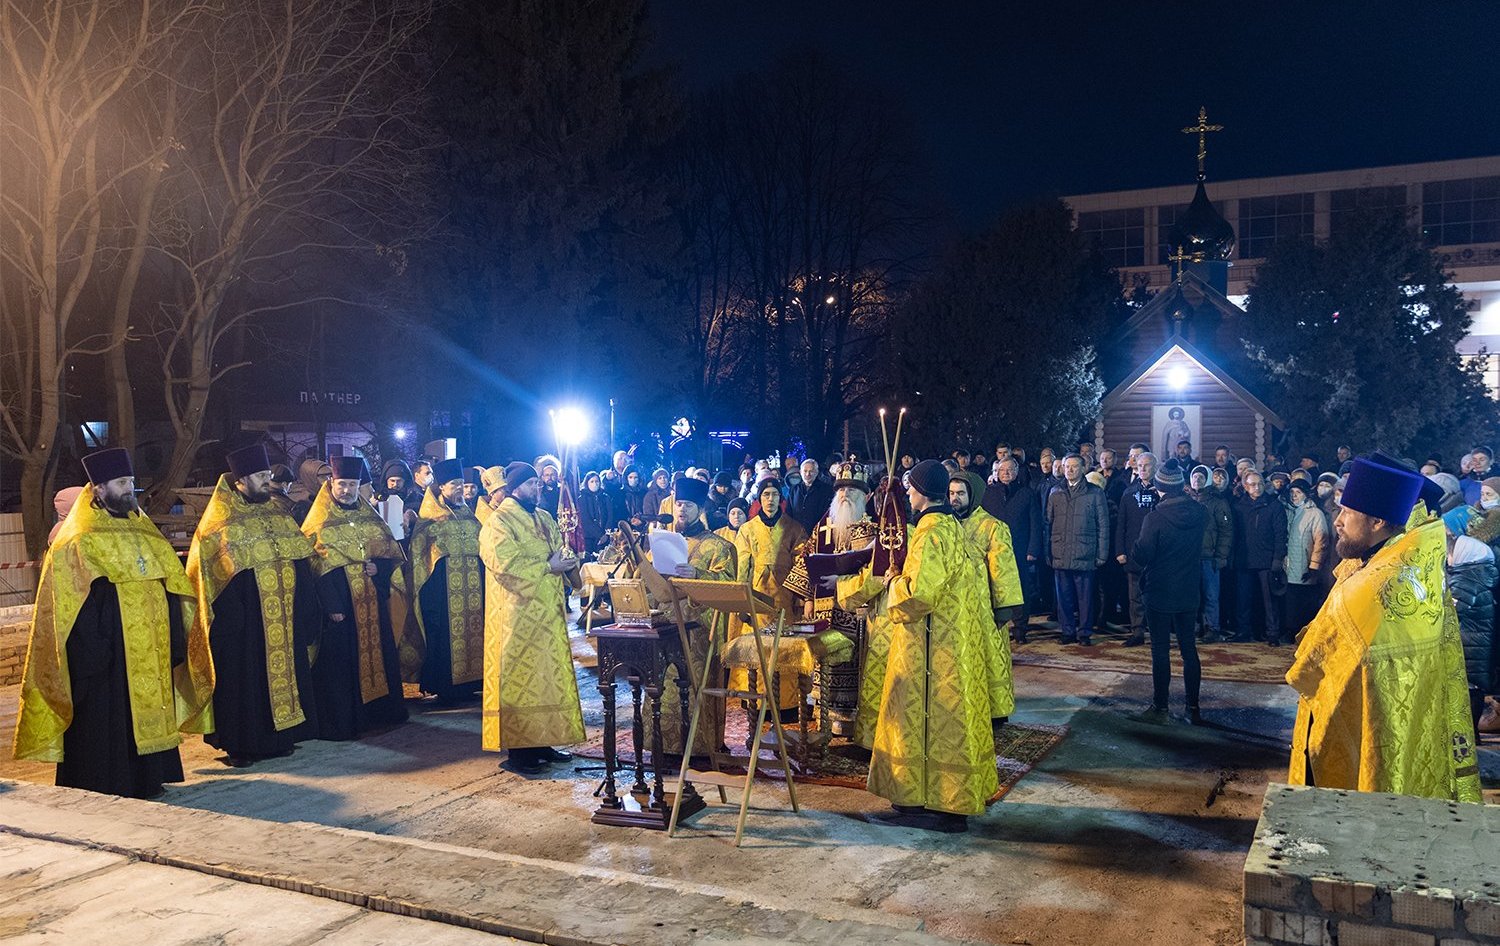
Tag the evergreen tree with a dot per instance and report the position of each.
(1354, 340)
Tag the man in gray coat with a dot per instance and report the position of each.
(1078, 522)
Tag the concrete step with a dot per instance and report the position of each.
(54, 892)
(526, 898)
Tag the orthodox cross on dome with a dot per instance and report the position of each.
(1181, 258)
(1202, 130)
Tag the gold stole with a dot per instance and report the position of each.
(347, 539)
(444, 532)
(233, 536)
(132, 555)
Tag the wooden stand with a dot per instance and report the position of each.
(733, 597)
(645, 656)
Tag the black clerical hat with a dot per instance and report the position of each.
(349, 468)
(106, 465)
(247, 460)
(444, 471)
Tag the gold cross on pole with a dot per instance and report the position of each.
(1181, 257)
(1201, 130)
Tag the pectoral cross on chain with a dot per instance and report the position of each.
(827, 531)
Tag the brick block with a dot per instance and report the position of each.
(1482, 917)
(1358, 934)
(1294, 928)
(1342, 896)
(1449, 941)
(1265, 888)
(1425, 908)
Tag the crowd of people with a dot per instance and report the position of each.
(308, 600)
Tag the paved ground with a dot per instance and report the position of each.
(1112, 838)
(58, 893)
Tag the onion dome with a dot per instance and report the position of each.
(1201, 231)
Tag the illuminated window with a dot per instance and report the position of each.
(1119, 236)
(1342, 204)
(1459, 212)
(1265, 221)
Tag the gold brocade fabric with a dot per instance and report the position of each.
(933, 742)
(234, 535)
(764, 554)
(133, 556)
(445, 532)
(991, 539)
(530, 691)
(712, 558)
(346, 539)
(1382, 697)
(867, 590)
(411, 647)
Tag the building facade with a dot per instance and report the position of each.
(1456, 204)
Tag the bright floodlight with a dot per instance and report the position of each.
(1178, 377)
(570, 425)
(400, 433)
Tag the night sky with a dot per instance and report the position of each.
(1014, 100)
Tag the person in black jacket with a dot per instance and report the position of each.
(809, 499)
(1259, 551)
(1137, 502)
(593, 511)
(720, 494)
(1016, 505)
(1471, 581)
(1169, 553)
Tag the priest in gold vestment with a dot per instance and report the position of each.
(991, 539)
(934, 756)
(712, 557)
(531, 703)
(115, 667)
(1382, 695)
(448, 587)
(357, 676)
(764, 550)
(258, 604)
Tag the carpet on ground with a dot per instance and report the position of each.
(1018, 749)
(1238, 663)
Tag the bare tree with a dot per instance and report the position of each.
(67, 66)
(302, 150)
(796, 227)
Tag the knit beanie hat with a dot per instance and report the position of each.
(930, 478)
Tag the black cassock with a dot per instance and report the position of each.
(437, 664)
(342, 714)
(243, 726)
(99, 751)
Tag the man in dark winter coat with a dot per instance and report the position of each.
(1259, 551)
(809, 499)
(1078, 523)
(1218, 544)
(1137, 502)
(1169, 553)
(1015, 504)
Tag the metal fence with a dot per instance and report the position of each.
(17, 584)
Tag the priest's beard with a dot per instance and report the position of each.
(843, 514)
(122, 505)
(354, 504)
(257, 496)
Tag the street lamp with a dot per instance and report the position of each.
(570, 426)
